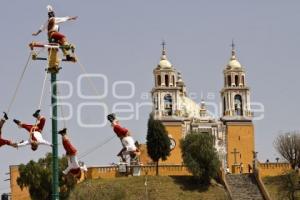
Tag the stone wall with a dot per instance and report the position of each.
(16, 192)
(273, 169)
(113, 171)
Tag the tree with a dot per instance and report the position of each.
(200, 156)
(158, 142)
(289, 186)
(288, 146)
(37, 177)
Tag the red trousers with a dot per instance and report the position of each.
(57, 36)
(38, 127)
(70, 149)
(4, 142)
(75, 171)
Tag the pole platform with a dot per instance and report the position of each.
(33, 45)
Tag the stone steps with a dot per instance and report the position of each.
(243, 187)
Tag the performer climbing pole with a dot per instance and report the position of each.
(56, 41)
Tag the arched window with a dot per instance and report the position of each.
(156, 102)
(236, 80)
(168, 104)
(159, 80)
(238, 105)
(173, 77)
(229, 80)
(224, 106)
(167, 80)
(243, 80)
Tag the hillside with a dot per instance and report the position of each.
(276, 188)
(133, 188)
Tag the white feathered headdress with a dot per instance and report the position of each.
(50, 8)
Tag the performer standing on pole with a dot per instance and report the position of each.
(51, 25)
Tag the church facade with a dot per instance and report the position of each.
(233, 132)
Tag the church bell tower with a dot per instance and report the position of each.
(167, 89)
(237, 116)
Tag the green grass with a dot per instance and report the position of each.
(158, 188)
(276, 189)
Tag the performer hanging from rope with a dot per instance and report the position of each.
(3, 141)
(35, 132)
(51, 25)
(130, 147)
(74, 166)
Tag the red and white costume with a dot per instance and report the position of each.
(3, 141)
(36, 137)
(51, 25)
(126, 140)
(38, 127)
(35, 133)
(71, 152)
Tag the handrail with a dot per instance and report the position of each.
(261, 185)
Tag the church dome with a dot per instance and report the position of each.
(164, 63)
(233, 63)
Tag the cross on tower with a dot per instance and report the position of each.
(163, 44)
(235, 152)
(232, 44)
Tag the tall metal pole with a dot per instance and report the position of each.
(53, 69)
(55, 181)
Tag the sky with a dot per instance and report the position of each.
(119, 43)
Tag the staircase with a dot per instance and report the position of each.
(243, 187)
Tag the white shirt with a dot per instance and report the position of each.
(58, 20)
(39, 139)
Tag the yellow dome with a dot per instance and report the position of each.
(164, 63)
(233, 63)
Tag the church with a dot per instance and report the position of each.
(233, 132)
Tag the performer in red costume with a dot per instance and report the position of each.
(35, 132)
(74, 167)
(3, 141)
(129, 146)
(52, 27)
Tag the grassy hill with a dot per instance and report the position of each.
(136, 188)
(277, 189)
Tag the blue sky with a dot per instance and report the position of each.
(121, 41)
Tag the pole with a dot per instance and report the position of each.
(55, 182)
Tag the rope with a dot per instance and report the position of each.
(42, 96)
(62, 111)
(96, 147)
(43, 89)
(97, 92)
(63, 116)
(19, 83)
(89, 79)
